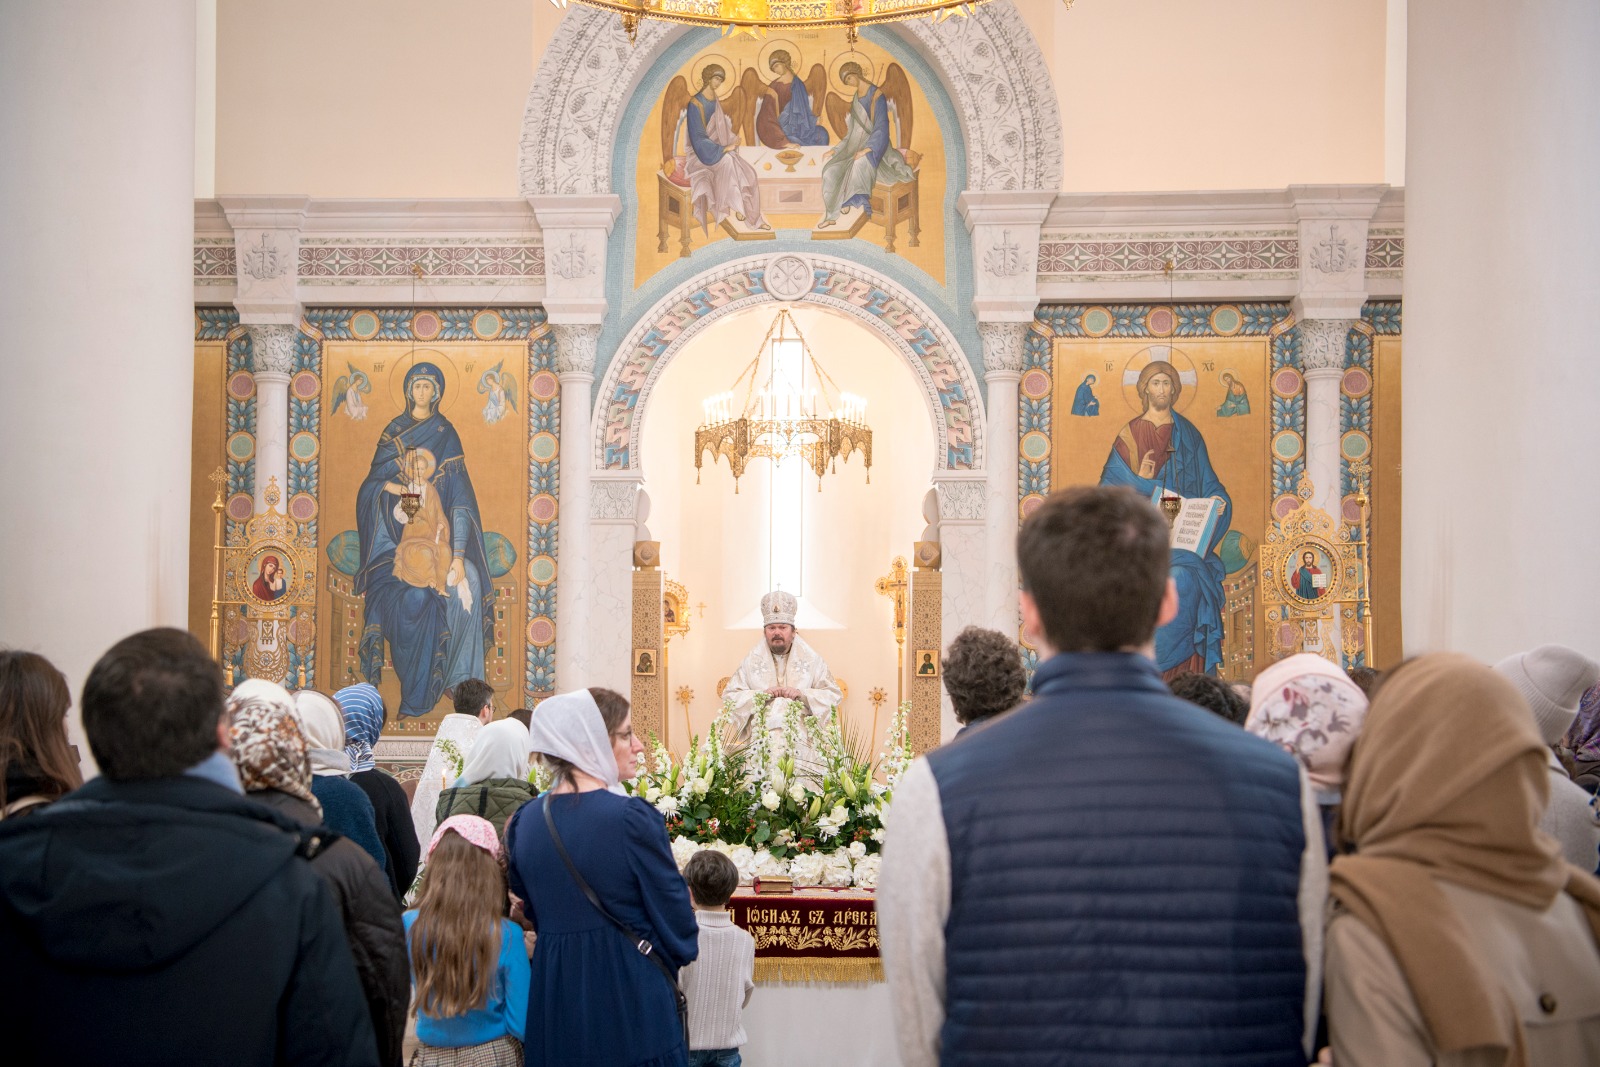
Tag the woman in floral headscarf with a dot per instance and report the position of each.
(1580, 749)
(364, 715)
(275, 769)
(1313, 711)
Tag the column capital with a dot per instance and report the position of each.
(266, 240)
(614, 497)
(1002, 348)
(1005, 250)
(576, 343)
(963, 497)
(1322, 344)
(1333, 222)
(575, 230)
(273, 348)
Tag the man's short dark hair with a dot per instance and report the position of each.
(1095, 561)
(151, 706)
(712, 878)
(471, 695)
(1211, 693)
(983, 673)
(524, 716)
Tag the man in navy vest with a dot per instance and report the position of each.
(1108, 875)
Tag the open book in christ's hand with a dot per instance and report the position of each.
(1196, 521)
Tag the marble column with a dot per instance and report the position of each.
(273, 346)
(1002, 362)
(97, 134)
(614, 506)
(575, 349)
(1501, 385)
(963, 547)
(1322, 344)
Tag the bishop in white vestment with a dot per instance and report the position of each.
(782, 666)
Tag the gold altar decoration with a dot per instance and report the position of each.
(1313, 573)
(926, 631)
(675, 623)
(756, 17)
(894, 586)
(776, 410)
(649, 689)
(266, 587)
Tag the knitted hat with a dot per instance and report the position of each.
(778, 606)
(1552, 679)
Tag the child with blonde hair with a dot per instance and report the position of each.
(469, 963)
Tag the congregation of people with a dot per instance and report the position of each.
(1104, 866)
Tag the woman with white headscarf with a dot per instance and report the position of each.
(494, 781)
(595, 997)
(345, 808)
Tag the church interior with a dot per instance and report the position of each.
(1092, 188)
(538, 343)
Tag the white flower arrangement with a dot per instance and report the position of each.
(808, 803)
(865, 873)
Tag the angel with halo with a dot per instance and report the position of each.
(347, 392)
(502, 392)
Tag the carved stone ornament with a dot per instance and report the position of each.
(963, 500)
(261, 259)
(1006, 258)
(993, 69)
(1322, 343)
(273, 348)
(1002, 346)
(788, 277)
(575, 347)
(613, 499)
(988, 62)
(1334, 254)
(572, 259)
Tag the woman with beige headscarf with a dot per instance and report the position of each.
(1458, 936)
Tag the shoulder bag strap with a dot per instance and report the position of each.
(646, 949)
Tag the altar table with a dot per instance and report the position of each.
(820, 999)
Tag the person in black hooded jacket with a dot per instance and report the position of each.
(158, 916)
(275, 768)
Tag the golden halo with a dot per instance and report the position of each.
(796, 59)
(1187, 377)
(859, 59)
(730, 81)
(447, 367)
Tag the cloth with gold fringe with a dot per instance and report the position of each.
(812, 935)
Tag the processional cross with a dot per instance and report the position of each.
(895, 585)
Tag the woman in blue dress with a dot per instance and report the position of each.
(594, 999)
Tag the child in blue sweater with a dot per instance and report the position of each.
(469, 963)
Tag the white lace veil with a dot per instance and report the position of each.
(569, 726)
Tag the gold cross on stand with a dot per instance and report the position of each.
(895, 585)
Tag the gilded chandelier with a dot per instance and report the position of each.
(773, 413)
(758, 16)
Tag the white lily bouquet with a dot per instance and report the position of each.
(808, 803)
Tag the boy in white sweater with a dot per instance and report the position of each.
(718, 984)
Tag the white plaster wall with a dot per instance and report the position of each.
(1502, 386)
(386, 98)
(96, 369)
(372, 98)
(714, 541)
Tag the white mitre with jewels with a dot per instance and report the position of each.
(778, 607)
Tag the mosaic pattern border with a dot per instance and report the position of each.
(932, 351)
